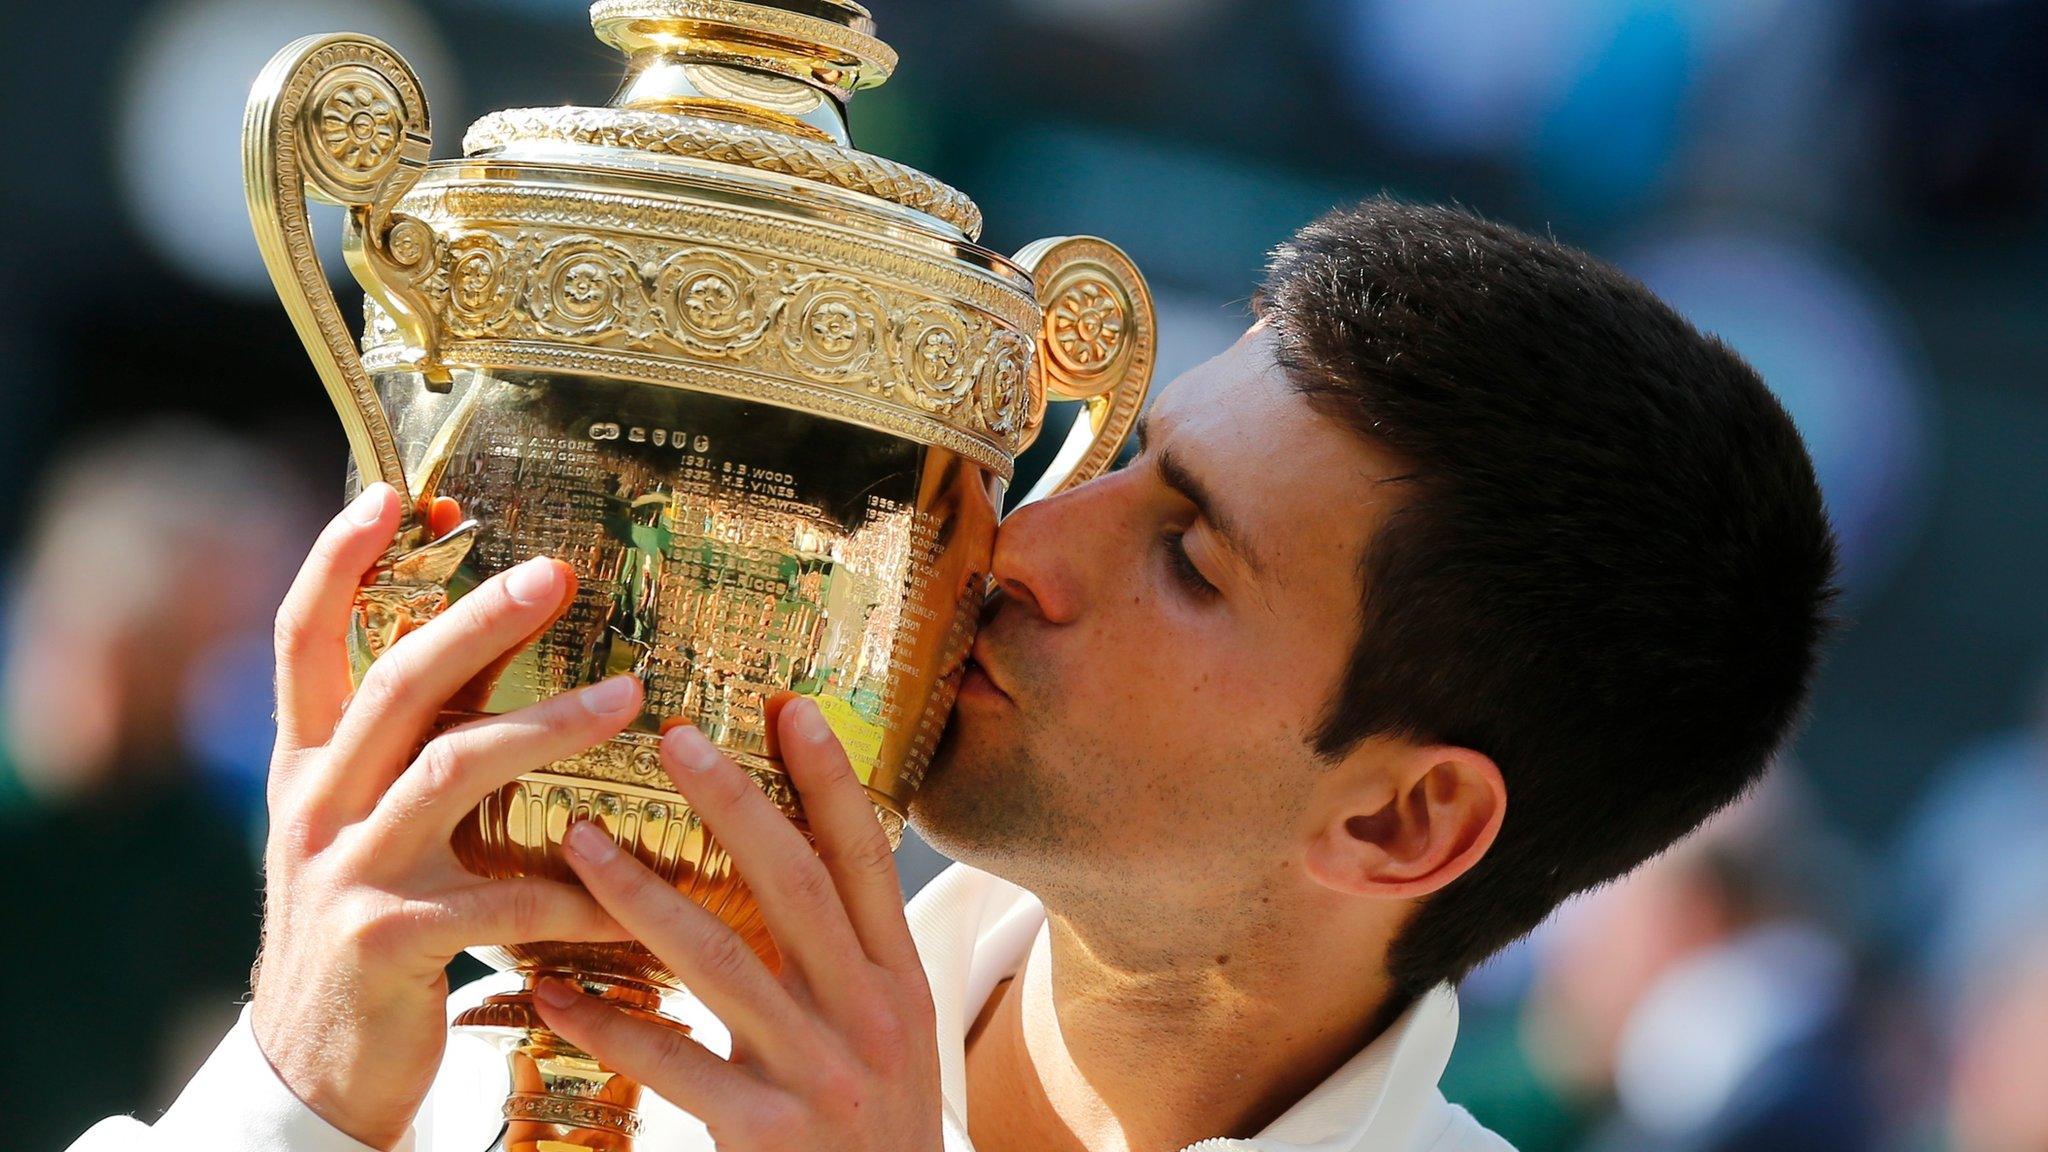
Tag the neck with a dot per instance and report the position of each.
(1105, 1047)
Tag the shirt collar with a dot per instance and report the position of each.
(973, 931)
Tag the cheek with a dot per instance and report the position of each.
(1163, 673)
(1179, 717)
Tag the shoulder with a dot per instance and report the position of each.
(1461, 1133)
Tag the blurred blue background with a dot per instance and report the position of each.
(1853, 194)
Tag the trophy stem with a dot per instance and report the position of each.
(562, 1099)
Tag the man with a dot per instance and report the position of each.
(1470, 578)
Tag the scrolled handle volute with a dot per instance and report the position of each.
(1097, 346)
(342, 118)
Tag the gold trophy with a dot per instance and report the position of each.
(762, 390)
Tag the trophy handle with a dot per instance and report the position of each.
(341, 117)
(1096, 346)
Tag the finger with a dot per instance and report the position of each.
(476, 692)
(728, 1100)
(716, 965)
(520, 911)
(798, 900)
(313, 620)
(409, 684)
(461, 766)
(849, 837)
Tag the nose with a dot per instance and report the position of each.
(1044, 550)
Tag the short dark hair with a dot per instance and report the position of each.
(1611, 570)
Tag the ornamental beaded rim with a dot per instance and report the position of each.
(573, 1112)
(698, 138)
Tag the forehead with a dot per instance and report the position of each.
(1308, 490)
(1242, 385)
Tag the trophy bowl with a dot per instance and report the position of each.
(763, 392)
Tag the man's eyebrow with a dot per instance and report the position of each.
(1174, 473)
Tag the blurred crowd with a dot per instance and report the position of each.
(1854, 193)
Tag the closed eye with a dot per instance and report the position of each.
(1182, 566)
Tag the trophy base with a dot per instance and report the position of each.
(562, 1099)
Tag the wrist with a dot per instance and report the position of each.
(237, 1100)
(337, 1078)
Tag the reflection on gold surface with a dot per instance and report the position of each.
(725, 551)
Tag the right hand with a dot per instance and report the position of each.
(365, 902)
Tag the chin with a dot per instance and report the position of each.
(992, 805)
(970, 742)
(964, 807)
(934, 798)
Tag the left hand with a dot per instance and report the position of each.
(839, 1050)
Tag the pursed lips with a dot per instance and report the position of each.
(977, 659)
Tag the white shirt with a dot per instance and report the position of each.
(973, 931)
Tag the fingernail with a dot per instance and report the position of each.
(609, 696)
(556, 993)
(368, 506)
(534, 581)
(589, 841)
(810, 721)
(690, 749)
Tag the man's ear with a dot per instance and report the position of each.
(1433, 813)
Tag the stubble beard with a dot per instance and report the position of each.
(993, 795)
(984, 802)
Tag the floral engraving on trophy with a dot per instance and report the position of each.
(665, 224)
(330, 88)
(830, 334)
(713, 303)
(834, 325)
(409, 241)
(1003, 385)
(777, 254)
(706, 297)
(586, 287)
(938, 352)
(479, 292)
(1087, 325)
(359, 125)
